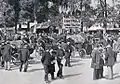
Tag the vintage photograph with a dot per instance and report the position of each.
(60, 41)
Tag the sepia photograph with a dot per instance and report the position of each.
(60, 41)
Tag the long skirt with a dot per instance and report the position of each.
(110, 72)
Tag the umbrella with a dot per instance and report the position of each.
(51, 38)
(70, 40)
(95, 28)
(77, 38)
(16, 43)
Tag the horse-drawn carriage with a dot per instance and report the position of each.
(16, 45)
(77, 42)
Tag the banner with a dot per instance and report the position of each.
(71, 22)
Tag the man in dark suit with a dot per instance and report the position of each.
(1, 53)
(7, 50)
(47, 60)
(110, 60)
(68, 51)
(52, 66)
(60, 54)
(24, 56)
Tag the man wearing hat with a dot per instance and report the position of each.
(68, 51)
(24, 56)
(7, 50)
(47, 61)
(1, 52)
(60, 54)
(110, 60)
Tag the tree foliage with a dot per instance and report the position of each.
(6, 14)
(19, 11)
(27, 10)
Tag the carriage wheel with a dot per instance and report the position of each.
(82, 53)
(15, 61)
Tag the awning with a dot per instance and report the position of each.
(94, 28)
(77, 38)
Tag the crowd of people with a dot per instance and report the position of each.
(48, 48)
(105, 54)
(51, 49)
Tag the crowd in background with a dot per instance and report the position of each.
(105, 53)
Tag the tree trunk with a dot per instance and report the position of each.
(105, 15)
(81, 15)
(119, 25)
(20, 26)
(17, 10)
(16, 26)
(28, 26)
(81, 26)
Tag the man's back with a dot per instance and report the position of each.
(60, 52)
(24, 54)
(7, 50)
(46, 58)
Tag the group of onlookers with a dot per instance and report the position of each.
(6, 54)
(52, 54)
(104, 55)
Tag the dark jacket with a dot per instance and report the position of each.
(24, 54)
(110, 57)
(102, 62)
(1, 50)
(68, 51)
(52, 66)
(89, 49)
(46, 58)
(60, 53)
(7, 50)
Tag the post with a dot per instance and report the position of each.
(105, 24)
(4, 14)
(35, 9)
(113, 23)
(17, 10)
(35, 16)
(81, 15)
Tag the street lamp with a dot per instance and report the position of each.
(35, 21)
(105, 11)
(4, 14)
(81, 8)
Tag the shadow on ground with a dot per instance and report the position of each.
(72, 75)
(17, 67)
(34, 70)
(76, 57)
(118, 76)
(78, 64)
(34, 62)
(115, 76)
(75, 60)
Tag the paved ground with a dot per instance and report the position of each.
(79, 73)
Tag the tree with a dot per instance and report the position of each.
(27, 10)
(47, 9)
(116, 15)
(16, 8)
(82, 9)
(6, 14)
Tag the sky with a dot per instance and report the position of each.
(94, 2)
